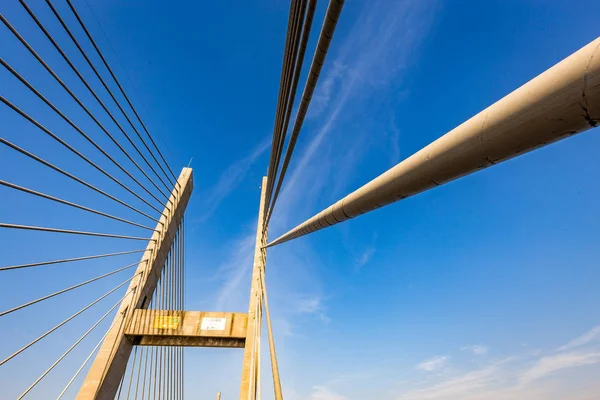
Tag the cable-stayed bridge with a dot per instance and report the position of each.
(144, 318)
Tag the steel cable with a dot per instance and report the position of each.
(282, 97)
(61, 82)
(85, 361)
(71, 348)
(74, 126)
(290, 90)
(312, 4)
(273, 354)
(37, 264)
(64, 322)
(333, 13)
(66, 28)
(73, 177)
(132, 370)
(68, 289)
(68, 203)
(70, 231)
(118, 84)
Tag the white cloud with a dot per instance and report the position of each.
(590, 336)
(234, 273)
(509, 379)
(458, 386)
(323, 94)
(476, 349)
(433, 363)
(530, 376)
(552, 364)
(324, 393)
(364, 258)
(310, 304)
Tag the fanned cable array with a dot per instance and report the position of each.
(300, 21)
(91, 184)
(299, 26)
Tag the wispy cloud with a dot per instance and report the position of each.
(459, 386)
(590, 336)
(433, 364)
(476, 349)
(310, 304)
(364, 258)
(322, 96)
(230, 180)
(528, 376)
(362, 69)
(234, 273)
(552, 364)
(324, 393)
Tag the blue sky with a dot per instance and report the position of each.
(484, 288)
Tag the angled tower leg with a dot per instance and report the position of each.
(250, 371)
(104, 376)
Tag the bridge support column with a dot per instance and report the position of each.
(104, 376)
(251, 366)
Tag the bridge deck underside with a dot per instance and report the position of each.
(188, 328)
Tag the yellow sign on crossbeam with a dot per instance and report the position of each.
(166, 322)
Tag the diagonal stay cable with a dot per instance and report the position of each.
(115, 54)
(118, 396)
(91, 64)
(72, 149)
(272, 353)
(333, 13)
(77, 128)
(172, 294)
(81, 23)
(49, 296)
(311, 8)
(68, 203)
(132, 370)
(66, 260)
(62, 83)
(113, 348)
(66, 58)
(162, 349)
(299, 61)
(149, 374)
(145, 363)
(28, 345)
(182, 302)
(289, 89)
(148, 362)
(73, 177)
(73, 346)
(139, 371)
(69, 231)
(155, 379)
(88, 357)
(283, 82)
